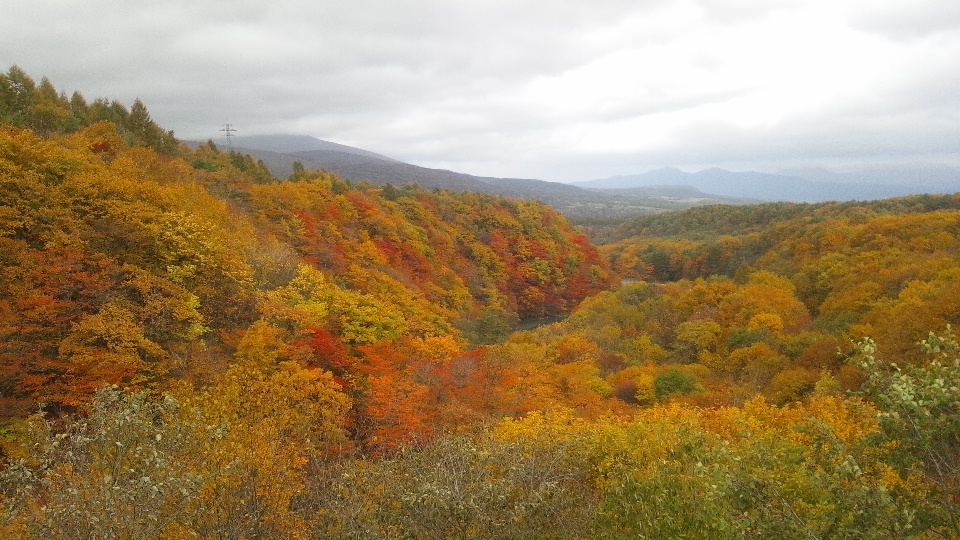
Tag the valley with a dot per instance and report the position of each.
(198, 342)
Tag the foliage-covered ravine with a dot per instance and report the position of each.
(192, 348)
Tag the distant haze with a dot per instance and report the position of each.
(560, 90)
(809, 185)
(654, 191)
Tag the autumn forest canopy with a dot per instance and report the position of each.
(191, 347)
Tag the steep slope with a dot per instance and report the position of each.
(124, 266)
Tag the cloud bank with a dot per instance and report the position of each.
(561, 90)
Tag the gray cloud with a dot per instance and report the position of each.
(564, 90)
(908, 20)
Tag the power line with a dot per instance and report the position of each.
(228, 132)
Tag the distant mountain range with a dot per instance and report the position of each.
(280, 152)
(655, 191)
(806, 185)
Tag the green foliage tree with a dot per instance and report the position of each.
(674, 381)
(16, 97)
(920, 414)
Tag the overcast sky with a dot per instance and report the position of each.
(551, 89)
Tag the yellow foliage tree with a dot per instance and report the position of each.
(262, 423)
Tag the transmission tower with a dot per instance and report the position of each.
(228, 132)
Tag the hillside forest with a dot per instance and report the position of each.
(191, 347)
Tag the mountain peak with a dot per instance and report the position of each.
(293, 144)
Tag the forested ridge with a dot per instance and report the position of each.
(190, 347)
